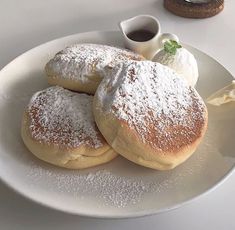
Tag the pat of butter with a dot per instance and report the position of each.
(222, 96)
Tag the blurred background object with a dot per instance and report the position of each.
(199, 1)
(194, 8)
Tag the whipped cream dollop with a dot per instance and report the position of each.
(183, 62)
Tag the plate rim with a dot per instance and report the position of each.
(135, 214)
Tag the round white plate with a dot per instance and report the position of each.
(119, 188)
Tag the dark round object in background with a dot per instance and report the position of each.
(194, 10)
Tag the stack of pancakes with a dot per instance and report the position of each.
(141, 110)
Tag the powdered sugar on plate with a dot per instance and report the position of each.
(110, 187)
(64, 118)
(155, 101)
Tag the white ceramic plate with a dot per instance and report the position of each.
(119, 188)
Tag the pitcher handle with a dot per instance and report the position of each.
(162, 39)
(167, 36)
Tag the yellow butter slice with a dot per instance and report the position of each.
(222, 96)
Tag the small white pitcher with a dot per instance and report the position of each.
(145, 22)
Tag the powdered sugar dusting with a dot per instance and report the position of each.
(155, 101)
(78, 62)
(110, 188)
(64, 118)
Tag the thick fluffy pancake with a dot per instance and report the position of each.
(58, 127)
(80, 67)
(148, 114)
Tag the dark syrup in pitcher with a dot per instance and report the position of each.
(140, 35)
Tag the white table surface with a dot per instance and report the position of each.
(27, 23)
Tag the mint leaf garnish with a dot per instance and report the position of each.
(171, 46)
